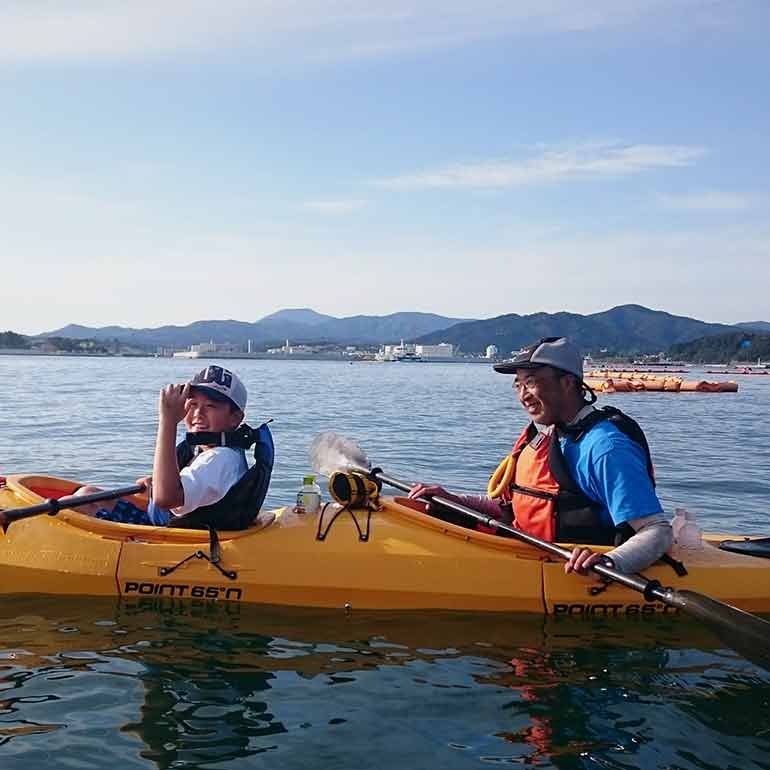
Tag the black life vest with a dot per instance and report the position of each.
(240, 506)
(580, 514)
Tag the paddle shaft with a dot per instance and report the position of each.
(54, 505)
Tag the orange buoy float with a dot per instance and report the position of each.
(625, 382)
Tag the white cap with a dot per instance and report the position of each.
(220, 384)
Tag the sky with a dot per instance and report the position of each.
(170, 161)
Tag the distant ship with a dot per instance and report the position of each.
(398, 353)
(408, 356)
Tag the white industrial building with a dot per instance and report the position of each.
(442, 350)
(206, 349)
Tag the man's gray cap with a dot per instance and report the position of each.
(558, 352)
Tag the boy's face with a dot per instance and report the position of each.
(204, 414)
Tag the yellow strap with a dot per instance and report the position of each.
(501, 479)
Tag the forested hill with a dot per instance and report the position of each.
(724, 348)
(12, 340)
(623, 329)
(755, 326)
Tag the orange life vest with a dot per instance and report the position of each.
(546, 500)
(534, 490)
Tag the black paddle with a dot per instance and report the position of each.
(53, 505)
(743, 632)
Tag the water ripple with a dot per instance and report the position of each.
(99, 683)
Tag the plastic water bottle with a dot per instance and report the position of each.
(308, 497)
(689, 535)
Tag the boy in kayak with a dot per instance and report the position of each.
(576, 473)
(198, 483)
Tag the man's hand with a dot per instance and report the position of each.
(428, 491)
(172, 402)
(582, 559)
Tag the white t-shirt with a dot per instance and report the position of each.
(208, 478)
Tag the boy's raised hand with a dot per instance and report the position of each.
(172, 402)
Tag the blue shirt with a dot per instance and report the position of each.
(611, 469)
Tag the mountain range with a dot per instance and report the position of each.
(756, 326)
(295, 324)
(626, 329)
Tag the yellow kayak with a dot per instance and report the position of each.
(391, 558)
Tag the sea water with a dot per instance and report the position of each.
(92, 683)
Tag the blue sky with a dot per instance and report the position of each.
(165, 162)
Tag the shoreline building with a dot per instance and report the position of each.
(206, 349)
(442, 350)
(292, 350)
(413, 352)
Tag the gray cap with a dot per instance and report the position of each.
(558, 352)
(221, 385)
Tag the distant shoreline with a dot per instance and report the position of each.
(241, 356)
(70, 354)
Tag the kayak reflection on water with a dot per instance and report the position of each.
(325, 688)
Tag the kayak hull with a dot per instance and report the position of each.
(394, 558)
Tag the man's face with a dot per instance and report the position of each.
(543, 394)
(205, 415)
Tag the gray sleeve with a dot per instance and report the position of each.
(481, 503)
(652, 539)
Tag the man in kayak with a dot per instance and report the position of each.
(576, 473)
(181, 488)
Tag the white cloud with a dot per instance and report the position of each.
(705, 200)
(335, 207)
(111, 29)
(588, 161)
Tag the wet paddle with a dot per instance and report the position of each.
(741, 631)
(53, 505)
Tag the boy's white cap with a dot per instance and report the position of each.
(220, 384)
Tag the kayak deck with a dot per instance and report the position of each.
(408, 561)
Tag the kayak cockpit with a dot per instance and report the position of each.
(33, 489)
(748, 546)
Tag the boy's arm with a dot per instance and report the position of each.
(167, 488)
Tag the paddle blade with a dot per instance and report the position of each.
(330, 452)
(745, 633)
